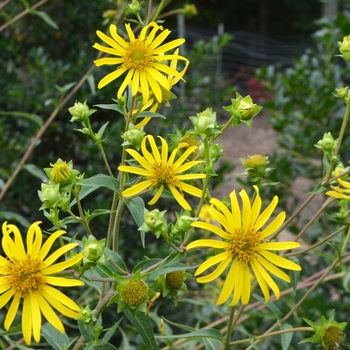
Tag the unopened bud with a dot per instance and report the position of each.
(344, 48)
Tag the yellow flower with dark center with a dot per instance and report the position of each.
(244, 245)
(28, 276)
(338, 192)
(163, 172)
(144, 59)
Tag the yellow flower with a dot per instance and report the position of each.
(205, 213)
(338, 192)
(172, 79)
(28, 276)
(143, 58)
(162, 171)
(245, 246)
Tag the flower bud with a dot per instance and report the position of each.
(205, 123)
(327, 144)
(62, 173)
(93, 250)
(133, 136)
(190, 10)
(174, 279)
(183, 222)
(216, 152)
(255, 165)
(80, 112)
(86, 315)
(134, 293)
(344, 48)
(342, 92)
(134, 7)
(242, 109)
(155, 222)
(50, 195)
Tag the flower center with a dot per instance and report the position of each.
(245, 243)
(137, 56)
(24, 276)
(163, 175)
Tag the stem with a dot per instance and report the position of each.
(229, 328)
(343, 127)
(82, 218)
(98, 310)
(41, 132)
(282, 331)
(20, 15)
(159, 9)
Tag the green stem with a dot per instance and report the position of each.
(229, 328)
(282, 331)
(82, 218)
(343, 128)
(159, 9)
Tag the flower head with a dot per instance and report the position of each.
(328, 333)
(244, 244)
(28, 276)
(339, 192)
(143, 59)
(162, 171)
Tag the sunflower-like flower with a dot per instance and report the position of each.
(166, 95)
(28, 276)
(244, 244)
(143, 58)
(338, 192)
(163, 172)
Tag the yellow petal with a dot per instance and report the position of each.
(157, 195)
(213, 261)
(108, 60)
(213, 228)
(279, 245)
(236, 212)
(154, 148)
(63, 282)
(56, 254)
(6, 296)
(267, 278)
(180, 198)
(143, 161)
(238, 282)
(228, 285)
(217, 272)
(280, 261)
(273, 226)
(13, 248)
(36, 316)
(246, 209)
(49, 314)
(109, 50)
(265, 215)
(273, 269)
(61, 266)
(119, 40)
(12, 312)
(223, 220)
(136, 189)
(27, 320)
(246, 289)
(127, 80)
(60, 302)
(48, 244)
(153, 80)
(262, 283)
(256, 207)
(208, 243)
(144, 87)
(194, 191)
(160, 38)
(34, 240)
(169, 46)
(134, 170)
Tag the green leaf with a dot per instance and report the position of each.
(9, 216)
(102, 130)
(144, 327)
(146, 114)
(92, 84)
(117, 260)
(163, 270)
(54, 337)
(252, 342)
(85, 331)
(46, 18)
(33, 117)
(96, 213)
(110, 332)
(93, 183)
(318, 189)
(286, 338)
(36, 171)
(136, 207)
(112, 106)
